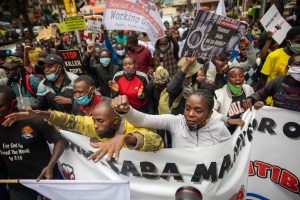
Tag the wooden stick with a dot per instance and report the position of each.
(9, 180)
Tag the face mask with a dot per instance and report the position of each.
(120, 52)
(294, 72)
(53, 76)
(114, 45)
(233, 89)
(164, 49)
(197, 126)
(11, 110)
(130, 73)
(183, 26)
(105, 61)
(84, 100)
(295, 48)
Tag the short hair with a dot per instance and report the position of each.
(27, 38)
(85, 78)
(106, 50)
(292, 33)
(8, 93)
(207, 91)
(292, 58)
(132, 58)
(132, 39)
(107, 104)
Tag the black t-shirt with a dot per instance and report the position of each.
(24, 149)
(236, 109)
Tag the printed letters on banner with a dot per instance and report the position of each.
(72, 61)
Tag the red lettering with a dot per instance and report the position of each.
(69, 55)
(262, 168)
(251, 169)
(275, 174)
(289, 181)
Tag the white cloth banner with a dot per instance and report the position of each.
(80, 190)
(274, 22)
(221, 9)
(219, 171)
(134, 15)
(274, 169)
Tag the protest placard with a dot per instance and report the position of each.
(274, 22)
(134, 15)
(47, 33)
(94, 26)
(72, 61)
(62, 27)
(74, 23)
(213, 35)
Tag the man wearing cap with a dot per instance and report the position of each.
(183, 82)
(25, 85)
(56, 90)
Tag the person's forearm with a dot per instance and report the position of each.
(44, 114)
(130, 140)
(58, 149)
(264, 52)
(26, 59)
(251, 59)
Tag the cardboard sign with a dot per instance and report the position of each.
(94, 26)
(47, 33)
(75, 23)
(274, 22)
(72, 61)
(213, 35)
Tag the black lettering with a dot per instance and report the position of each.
(267, 124)
(171, 170)
(226, 164)
(128, 167)
(201, 171)
(113, 167)
(149, 170)
(254, 124)
(249, 134)
(86, 154)
(291, 130)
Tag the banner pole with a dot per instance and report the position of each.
(9, 180)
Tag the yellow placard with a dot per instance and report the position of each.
(75, 23)
(62, 27)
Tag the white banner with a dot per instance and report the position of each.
(134, 15)
(274, 169)
(219, 171)
(274, 22)
(80, 190)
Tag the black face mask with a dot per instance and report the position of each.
(130, 74)
(110, 133)
(195, 127)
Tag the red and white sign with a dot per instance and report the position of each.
(136, 15)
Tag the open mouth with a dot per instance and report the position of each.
(238, 85)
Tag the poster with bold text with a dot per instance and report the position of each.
(274, 22)
(72, 61)
(213, 35)
(136, 15)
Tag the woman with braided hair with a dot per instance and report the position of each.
(194, 128)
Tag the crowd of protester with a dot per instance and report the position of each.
(138, 95)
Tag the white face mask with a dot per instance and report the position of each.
(294, 72)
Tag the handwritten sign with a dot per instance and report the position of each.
(72, 61)
(75, 23)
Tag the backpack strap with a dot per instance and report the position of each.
(28, 87)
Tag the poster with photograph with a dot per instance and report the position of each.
(213, 35)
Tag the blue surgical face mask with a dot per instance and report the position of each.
(105, 61)
(84, 100)
(53, 76)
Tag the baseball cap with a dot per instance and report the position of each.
(52, 59)
(12, 62)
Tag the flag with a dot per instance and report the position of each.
(221, 10)
(198, 5)
(80, 189)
